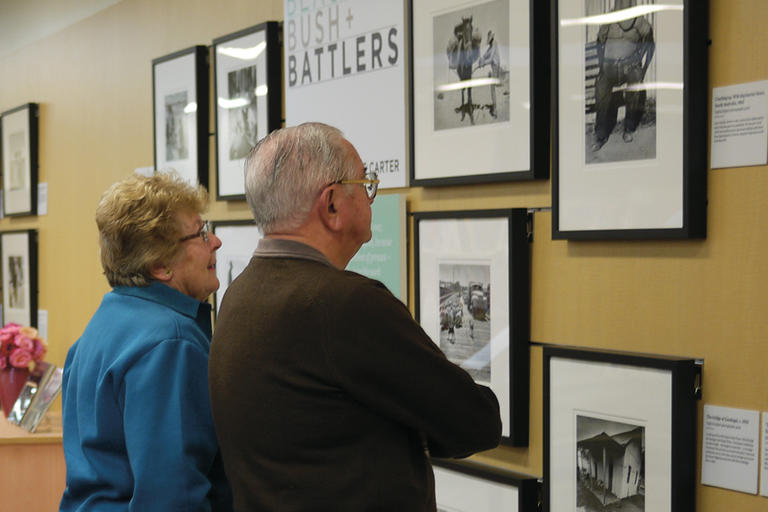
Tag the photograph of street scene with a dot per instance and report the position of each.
(610, 466)
(465, 317)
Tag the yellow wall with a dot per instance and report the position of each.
(696, 298)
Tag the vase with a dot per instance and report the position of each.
(12, 381)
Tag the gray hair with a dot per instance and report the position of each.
(286, 171)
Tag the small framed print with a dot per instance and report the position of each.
(480, 91)
(19, 129)
(467, 486)
(629, 155)
(19, 254)
(239, 239)
(49, 390)
(247, 88)
(473, 299)
(180, 107)
(619, 431)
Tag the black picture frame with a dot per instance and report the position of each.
(650, 180)
(181, 113)
(478, 484)
(446, 149)
(239, 239)
(19, 159)
(18, 250)
(601, 400)
(488, 254)
(254, 77)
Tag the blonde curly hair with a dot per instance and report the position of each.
(139, 227)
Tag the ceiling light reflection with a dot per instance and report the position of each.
(623, 14)
(243, 53)
(474, 82)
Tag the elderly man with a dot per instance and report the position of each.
(326, 394)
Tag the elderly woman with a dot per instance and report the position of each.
(138, 432)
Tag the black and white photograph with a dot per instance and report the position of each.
(18, 161)
(610, 461)
(238, 241)
(471, 67)
(620, 430)
(480, 76)
(243, 121)
(247, 74)
(472, 298)
(465, 317)
(19, 164)
(177, 115)
(630, 119)
(180, 114)
(16, 285)
(19, 276)
(620, 111)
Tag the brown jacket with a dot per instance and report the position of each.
(325, 391)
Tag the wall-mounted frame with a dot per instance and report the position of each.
(18, 250)
(247, 88)
(479, 89)
(472, 296)
(180, 108)
(19, 129)
(239, 239)
(468, 486)
(345, 65)
(619, 428)
(630, 112)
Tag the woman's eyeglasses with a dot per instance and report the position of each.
(203, 233)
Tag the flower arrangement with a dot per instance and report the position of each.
(20, 346)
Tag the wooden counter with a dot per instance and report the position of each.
(32, 466)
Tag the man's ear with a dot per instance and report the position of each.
(328, 207)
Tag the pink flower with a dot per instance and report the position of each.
(2, 362)
(40, 349)
(24, 342)
(11, 328)
(20, 358)
(29, 332)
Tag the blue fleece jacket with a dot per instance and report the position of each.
(138, 431)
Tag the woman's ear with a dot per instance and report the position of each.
(161, 272)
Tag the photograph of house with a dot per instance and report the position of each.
(610, 460)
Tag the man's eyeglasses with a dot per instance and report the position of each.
(203, 233)
(371, 184)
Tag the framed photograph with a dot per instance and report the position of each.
(480, 82)
(19, 254)
(180, 107)
(467, 486)
(473, 299)
(239, 239)
(19, 129)
(345, 65)
(629, 154)
(49, 390)
(247, 88)
(619, 431)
